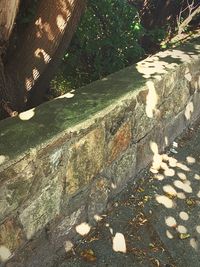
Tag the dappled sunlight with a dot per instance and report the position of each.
(198, 229)
(190, 160)
(36, 74)
(170, 221)
(189, 110)
(83, 229)
(183, 215)
(159, 176)
(68, 246)
(5, 253)
(98, 218)
(181, 229)
(165, 201)
(182, 167)
(113, 186)
(40, 53)
(185, 187)
(44, 28)
(169, 234)
(2, 159)
(194, 243)
(29, 83)
(169, 190)
(188, 75)
(151, 99)
(181, 195)
(182, 176)
(177, 54)
(119, 243)
(169, 172)
(177, 192)
(70, 94)
(27, 115)
(61, 23)
(197, 176)
(149, 69)
(154, 147)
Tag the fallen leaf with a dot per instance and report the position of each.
(190, 202)
(184, 236)
(140, 189)
(151, 245)
(88, 255)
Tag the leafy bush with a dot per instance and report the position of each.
(108, 39)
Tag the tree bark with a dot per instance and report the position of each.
(8, 12)
(42, 48)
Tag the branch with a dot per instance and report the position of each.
(181, 26)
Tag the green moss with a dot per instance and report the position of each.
(51, 118)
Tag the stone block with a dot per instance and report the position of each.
(98, 197)
(142, 123)
(153, 143)
(86, 160)
(176, 101)
(175, 127)
(11, 237)
(120, 141)
(15, 189)
(51, 161)
(43, 209)
(123, 169)
(194, 107)
(64, 229)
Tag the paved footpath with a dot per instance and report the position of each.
(160, 224)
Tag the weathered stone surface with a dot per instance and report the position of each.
(51, 161)
(16, 189)
(11, 235)
(60, 232)
(147, 147)
(120, 141)
(86, 160)
(121, 170)
(24, 165)
(43, 209)
(175, 127)
(142, 123)
(133, 113)
(176, 101)
(98, 198)
(193, 106)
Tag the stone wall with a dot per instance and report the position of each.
(61, 162)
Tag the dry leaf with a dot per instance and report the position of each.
(184, 236)
(88, 255)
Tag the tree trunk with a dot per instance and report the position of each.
(8, 12)
(42, 48)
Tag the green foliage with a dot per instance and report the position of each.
(157, 35)
(59, 86)
(107, 39)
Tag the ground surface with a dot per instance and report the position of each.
(160, 223)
